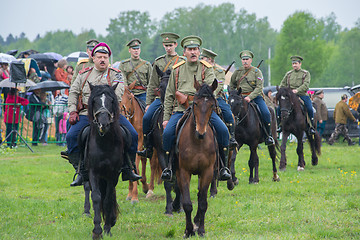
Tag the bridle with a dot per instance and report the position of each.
(129, 114)
(238, 121)
(288, 111)
(102, 109)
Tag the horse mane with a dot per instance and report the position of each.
(205, 91)
(97, 91)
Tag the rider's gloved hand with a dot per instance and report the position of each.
(74, 118)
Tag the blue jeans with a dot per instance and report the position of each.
(226, 110)
(169, 132)
(321, 127)
(149, 114)
(264, 110)
(72, 135)
(142, 96)
(308, 106)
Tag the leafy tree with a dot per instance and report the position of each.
(10, 39)
(331, 29)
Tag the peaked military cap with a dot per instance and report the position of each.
(318, 92)
(91, 43)
(296, 58)
(208, 53)
(246, 54)
(191, 41)
(344, 96)
(134, 43)
(169, 37)
(102, 48)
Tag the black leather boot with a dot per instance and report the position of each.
(167, 174)
(311, 129)
(65, 154)
(269, 139)
(224, 171)
(233, 143)
(129, 168)
(74, 159)
(148, 147)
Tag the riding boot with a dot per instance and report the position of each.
(233, 144)
(65, 154)
(148, 147)
(129, 169)
(74, 159)
(269, 139)
(167, 174)
(224, 171)
(312, 130)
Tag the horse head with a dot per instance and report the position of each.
(203, 105)
(103, 107)
(126, 105)
(285, 99)
(237, 102)
(164, 76)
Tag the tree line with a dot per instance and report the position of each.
(331, 54)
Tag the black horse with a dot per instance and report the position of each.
(248, 131)
(293, 120)
(104, 155)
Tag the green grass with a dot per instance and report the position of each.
(322, 202)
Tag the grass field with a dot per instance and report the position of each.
(323, 202)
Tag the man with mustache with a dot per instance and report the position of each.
(182, 80)
(250, 79)
(100, 74)
(136, 70)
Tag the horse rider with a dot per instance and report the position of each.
(250, 79)
(87, 62)
(182, 81)
(153, 102)
(79, 94)
(209, 56)
(136, 70)
(298, 80)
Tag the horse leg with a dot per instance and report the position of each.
(232, 181)
(150, 192)
(145, 186)
(254, 158)
(300, 153)
(110, 207)
(176, 205)
(131, 186)
(283, 151)
(315, 143)
(169, 200)
(134, 192)
(87, 198)
(213, 188)
(272, 153)
(96, 199)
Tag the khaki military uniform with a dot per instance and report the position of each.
(184, 72)
(81, 65)
(95, 77)
(220, 76)
(251, 85)
(164, 63)
(321, 109)
(299, 80)
(143, 72)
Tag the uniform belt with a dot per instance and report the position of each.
(139, 88)
(245, 93)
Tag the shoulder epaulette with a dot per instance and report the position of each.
(114, 69)
(85, 60)
(126, 60)
(178, 64)
(206, 63)
(304, 70)
(160, 57)
(85, 70)
(219, 68)
(289, 72)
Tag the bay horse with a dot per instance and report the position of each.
(134, 112)
(197, 154)
(103, 153)
(248, 131)
(293, 120)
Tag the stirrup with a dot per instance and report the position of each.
(224, 174)
(167, 172)
(269, 141)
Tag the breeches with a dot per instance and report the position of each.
(149, 114)
(226, 111)
(265, 113)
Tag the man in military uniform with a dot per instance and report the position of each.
(209, 56)
(298, 80)
(101, 73)
(341, 114)
(183, 73)
(85, 63)
(321, 111)
(250, 79)
(153, 101)
(136, 70)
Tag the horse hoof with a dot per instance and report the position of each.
(212, 195)
(135, 201)
(87, 214)
(149, 194)
(96, 236)
(128, 198)
(236, 182)
(196, 227)
(300, 168)
(282, 169)
(230, 185)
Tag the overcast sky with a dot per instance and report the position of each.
(41, 16)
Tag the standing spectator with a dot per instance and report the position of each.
(61, 74)
(63, 129)
(11, 123)
(341, 114)
(45, 75)
(35, 114)
(4, 74)
(70, 73)
(321, 111)
(60, 107)
(48, 98)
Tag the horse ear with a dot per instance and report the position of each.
(196, 84)
(214, 85)
(115, 86)
(239, 91)
(159, 72)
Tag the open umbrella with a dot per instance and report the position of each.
(7, 83)
(6, 58)
(49, 86)
(76, 56)
(30, 63)
(12, 52)
(54, 55)
(354, 101)
(41, 57)
(29, 51)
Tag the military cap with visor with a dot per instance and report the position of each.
(246, 54)
(208, 53)
(169, 37)
(318, 92)
(296, 58)
(102, 48)
(134, 43)
(191, 42)
(90, 44)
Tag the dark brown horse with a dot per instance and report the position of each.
(248, 131)
(197, 155)
(293, 120)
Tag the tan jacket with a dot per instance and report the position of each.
(321, 109)
(342, 113)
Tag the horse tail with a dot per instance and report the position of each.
(317, 143)
(155, 166)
